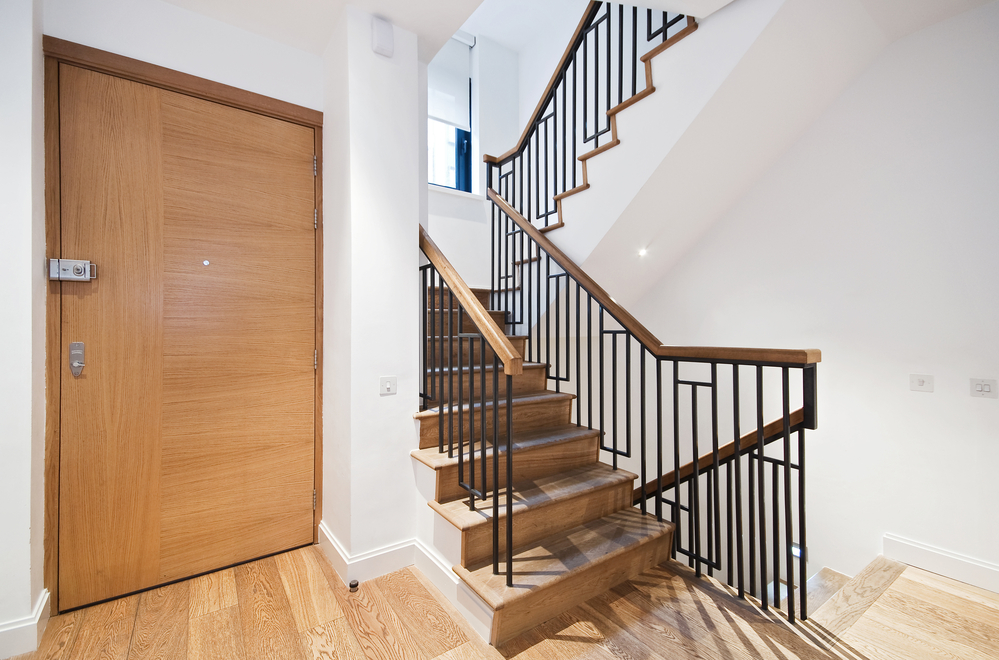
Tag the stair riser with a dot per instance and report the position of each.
(532, 380)
(438, 299)
(437, 323)
(526, 417)
(543, 604)
(527, 465)
(533, 524)
(439, 347)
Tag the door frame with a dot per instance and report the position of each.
(56, 52)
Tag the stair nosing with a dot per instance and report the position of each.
(447, 509)
(531, 444)
(529, 397)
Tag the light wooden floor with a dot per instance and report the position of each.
(295, 606)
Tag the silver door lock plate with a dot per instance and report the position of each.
(72, 270)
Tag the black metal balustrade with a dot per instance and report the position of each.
(469, 422)
(673, 415)
(600, 70)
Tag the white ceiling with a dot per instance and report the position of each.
(307, 24)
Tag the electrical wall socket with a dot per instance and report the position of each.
(921, 382)
(984, 388)
(387, 385)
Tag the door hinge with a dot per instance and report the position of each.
(315, 359)
(315, 218)
(313, 500)
(315, 166)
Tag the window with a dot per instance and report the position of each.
(449, 123)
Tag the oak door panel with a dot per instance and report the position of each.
(112, 209)
(188, 441)
(239, 335)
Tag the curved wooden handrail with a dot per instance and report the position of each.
(591, 9)
(747, 442)
(770, 356)
(513, 362)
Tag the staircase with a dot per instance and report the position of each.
(525, 511)
(575, 533)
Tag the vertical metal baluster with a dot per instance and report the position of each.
(802, 539)
(496, 460)
(775, 505)
(659, 442)
(579, 367)
(634, 50)
(509, 481)
(664, 27)
(728, 521)
(568, 328)
(531, 246)
(608, 66)
(641, 398)
(788, 520)
(600, 358)
(614, 395)
(676, 452)
(575, 163)
(565, 87)
(482, 413)
(627, 394)
(752, 520)
(738, 478)
(762, 486)
(558, 334)
(716, 467)
(695, 502)
(711, 478)
(589, 362)
(548, 314)
(586, 85)
(620, 53)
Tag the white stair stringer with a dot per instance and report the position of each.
(729, 100)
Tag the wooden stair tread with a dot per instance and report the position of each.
(850, 603)
(545, 563)
(819, 589)
(536, 495)
(522, 399)
(522, 441)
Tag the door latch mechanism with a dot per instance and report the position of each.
(76, 362)
(72, 270)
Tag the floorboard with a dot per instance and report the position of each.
(294, 606)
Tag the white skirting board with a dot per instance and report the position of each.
(956, 566)
(370, 565)
(24, 635)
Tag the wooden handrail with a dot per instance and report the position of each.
(747, 442)
(513, 362)
(774, 356)
(591, 9)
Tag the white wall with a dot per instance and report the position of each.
(372, 210)
(459, 222)
(22, 331)
(874, 238)
(164, 34)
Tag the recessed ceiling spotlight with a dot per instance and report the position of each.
(642, 252)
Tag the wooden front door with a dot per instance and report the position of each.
(187, 442)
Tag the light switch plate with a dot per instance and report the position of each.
(984, 388)
(921, 382)
(388, 385)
